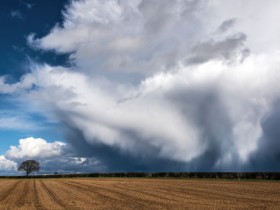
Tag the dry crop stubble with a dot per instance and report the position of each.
(137, 193)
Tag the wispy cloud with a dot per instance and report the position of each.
(25, 83)
(16, 14)
(14, 120)
(27, 4)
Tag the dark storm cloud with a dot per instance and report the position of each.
(69, 165)
(113, 159)
(204, 106)
(267, 156)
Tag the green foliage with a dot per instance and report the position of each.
(29, 166)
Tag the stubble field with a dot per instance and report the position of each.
(141, 193)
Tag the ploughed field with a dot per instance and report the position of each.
(137, 193)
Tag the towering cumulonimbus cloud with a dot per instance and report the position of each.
(163, 85)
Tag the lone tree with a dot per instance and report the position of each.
(29, 166)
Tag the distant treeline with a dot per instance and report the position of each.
(214, 175)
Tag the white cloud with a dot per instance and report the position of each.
(35, 148)
(151, 36)
(197, 95)
(6, 165)
(254, 18)
(169, 111)
(125, 36)
(52, 156)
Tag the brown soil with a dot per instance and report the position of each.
(124, 193)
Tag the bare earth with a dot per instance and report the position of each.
(133, 193)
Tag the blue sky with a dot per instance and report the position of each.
(14, 49)
(184, 85)
(20, 18)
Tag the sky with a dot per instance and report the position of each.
(140, 85)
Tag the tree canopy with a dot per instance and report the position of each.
(29, 166)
